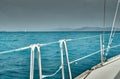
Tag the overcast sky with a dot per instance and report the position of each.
(48, 15)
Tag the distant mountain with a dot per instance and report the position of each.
(95, 29)
(88, 29)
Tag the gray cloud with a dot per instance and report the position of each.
(52, 14)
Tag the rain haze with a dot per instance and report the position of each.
(55, 15)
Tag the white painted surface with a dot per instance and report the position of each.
(108, 71)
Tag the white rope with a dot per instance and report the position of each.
(82, 38)
(61, 67)
(15, 50)
(46, 44)
(111, 48)
(92, 54)
(85, 57)
(44, 76)
(115, 46)
(113, 28)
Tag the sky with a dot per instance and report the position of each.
(54, 15)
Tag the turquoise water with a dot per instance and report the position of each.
(16, 65)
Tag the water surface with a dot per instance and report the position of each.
(16, 65)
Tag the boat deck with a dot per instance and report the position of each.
(109, 70)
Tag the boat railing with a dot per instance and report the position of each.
(63, 46)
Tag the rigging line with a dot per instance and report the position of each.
(115, 46)
(104, 18)
(44, 76)
(104, 21)
(114, 32)
(82, 38)
(112, 37)
(85, 57)
(91, 54)
(104, 26)
(113, 27)
(46, 44)
(14, 50)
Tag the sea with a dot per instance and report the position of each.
(16, 65)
